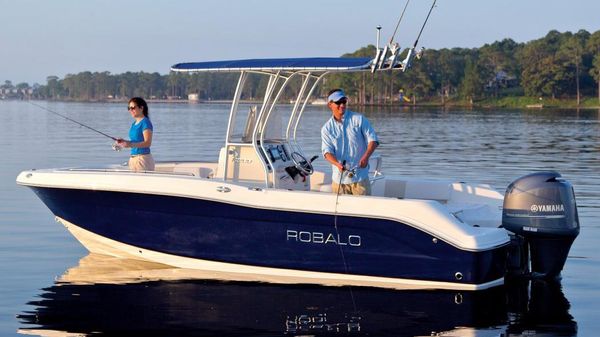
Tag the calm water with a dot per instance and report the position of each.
(480, 146)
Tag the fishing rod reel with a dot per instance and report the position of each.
(350, 172)
(420, 53)
(116, 147)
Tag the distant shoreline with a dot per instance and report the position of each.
(505, 103)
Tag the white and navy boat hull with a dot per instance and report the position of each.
(240, 232)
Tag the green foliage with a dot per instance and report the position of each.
(559, 65)
(595, 71)
(474, 80)
(593, 48)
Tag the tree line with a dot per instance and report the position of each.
(559, 65)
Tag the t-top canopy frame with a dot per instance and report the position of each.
(272, 66)
(280, 71)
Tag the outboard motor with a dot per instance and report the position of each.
(540, 209)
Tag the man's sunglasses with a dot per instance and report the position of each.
(340, 102)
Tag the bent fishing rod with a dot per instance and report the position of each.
(74, 121)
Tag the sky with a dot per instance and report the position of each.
(40, 38)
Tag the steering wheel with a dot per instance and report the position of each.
(302, 164)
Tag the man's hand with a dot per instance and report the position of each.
(364, 161)
(333, 160)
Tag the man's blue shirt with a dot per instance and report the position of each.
(348, 140)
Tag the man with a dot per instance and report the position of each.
(348, 137)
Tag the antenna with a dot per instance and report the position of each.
(378, 54)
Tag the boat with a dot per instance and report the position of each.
(263, 212)
(319, 101)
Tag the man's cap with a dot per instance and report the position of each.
(336, 96)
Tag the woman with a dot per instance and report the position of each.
(140, 135)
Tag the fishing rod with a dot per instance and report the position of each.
(381, 58)
(398, 24)
(391, 46)
(74, 121)
(337, 195)
(424, 23)
(335, 216)
(411, 52)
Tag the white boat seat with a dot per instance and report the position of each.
(320, 181)
(428, 190)
(202, 172)
(326, 188)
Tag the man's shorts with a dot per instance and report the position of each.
(362, 187)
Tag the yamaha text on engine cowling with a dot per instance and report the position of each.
(540, 209)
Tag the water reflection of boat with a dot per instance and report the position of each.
(539, 308)
(109, 296)
(131, 301)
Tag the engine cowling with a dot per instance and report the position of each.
(541, 208)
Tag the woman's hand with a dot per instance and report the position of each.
(123, 143)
